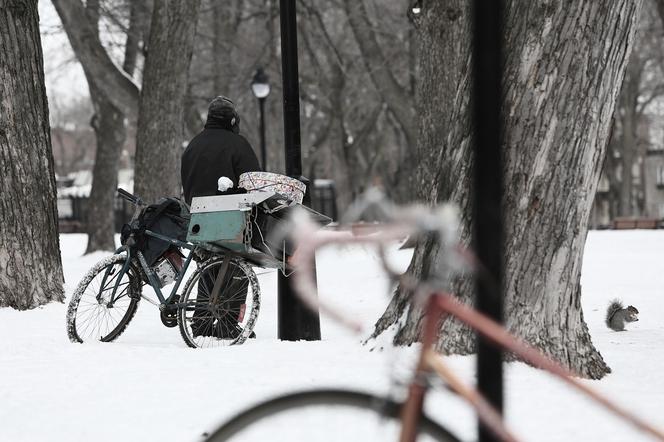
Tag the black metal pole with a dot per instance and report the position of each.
(488, 194)
(291, 86)
(295, 320)
(261, 105)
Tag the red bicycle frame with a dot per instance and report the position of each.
(438, 308)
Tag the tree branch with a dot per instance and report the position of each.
(139, 18)
(117, 87)
(398, 100)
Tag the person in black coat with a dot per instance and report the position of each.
(219, 150)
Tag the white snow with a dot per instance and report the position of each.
(149, 386)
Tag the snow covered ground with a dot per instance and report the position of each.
(149, 386)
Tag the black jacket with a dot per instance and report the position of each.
(214, 153)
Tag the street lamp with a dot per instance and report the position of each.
(260, 86)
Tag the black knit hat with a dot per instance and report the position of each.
(222, 108)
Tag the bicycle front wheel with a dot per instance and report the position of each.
(104, 301)
(325, 415)
(207, 319)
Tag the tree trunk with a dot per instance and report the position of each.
(563, 68)
(161, 109)
(222, 15)
(30, 264)
(609, 169)
(81, 24)
(139, 25)
(628, 100)
(628, 140)
(108, 124)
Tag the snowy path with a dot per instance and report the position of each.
(149, 386)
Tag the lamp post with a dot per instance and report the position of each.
(296, 321)
(488, 236)
(260, 86)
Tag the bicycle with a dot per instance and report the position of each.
(219, 304)
(404, 418)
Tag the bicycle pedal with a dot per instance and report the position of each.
(169, 321)
(169, 316)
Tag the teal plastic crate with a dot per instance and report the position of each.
(219, 228)
(223, 220)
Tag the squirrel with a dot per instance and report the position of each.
(617, 315)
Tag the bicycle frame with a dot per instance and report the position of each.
(439, 307)
(163, 301)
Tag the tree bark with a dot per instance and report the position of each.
(161, 115)
(30, 263)
(563, 68)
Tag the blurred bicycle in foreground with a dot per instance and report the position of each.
(332, 414)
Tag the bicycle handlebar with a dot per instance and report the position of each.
(413, 220)
(417, 220)
(129, 197)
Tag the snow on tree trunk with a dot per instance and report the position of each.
(161, 108)
(30, 264)
(564, 64)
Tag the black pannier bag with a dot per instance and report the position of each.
(169, 217)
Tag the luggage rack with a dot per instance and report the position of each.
(242, 225)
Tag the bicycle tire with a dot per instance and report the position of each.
(233, 303)
(103, 325)
(382, 408)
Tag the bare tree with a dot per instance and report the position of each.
(71, 135)
(349, 133)
(113, 82)
(563, 66)
(395, 95)
(641, 86)
(114, 96)
(30, 264)
(355, 129)
(357, 79)
(161, 116)
(109, 126)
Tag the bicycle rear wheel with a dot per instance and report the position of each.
(324, 415)
(104, 301)
(227, 319)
